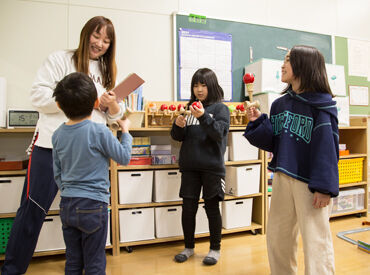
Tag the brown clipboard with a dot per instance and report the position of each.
(126, 87)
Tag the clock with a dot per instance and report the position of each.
(22, 118)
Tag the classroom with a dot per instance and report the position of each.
(247, 44)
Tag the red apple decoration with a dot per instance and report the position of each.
(172, 107)
(164, 107)
(196, 104)
(240, 107)
(180, 106)
(248, 78)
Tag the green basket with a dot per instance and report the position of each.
(5, 227)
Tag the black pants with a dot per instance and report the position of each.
(189, 211)
(31, 213)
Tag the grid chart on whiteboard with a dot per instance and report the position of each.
(204, 49)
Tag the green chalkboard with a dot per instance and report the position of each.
(263, 40)
(341, 57)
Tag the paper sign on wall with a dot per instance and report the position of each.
(359, 95)
(336, 79)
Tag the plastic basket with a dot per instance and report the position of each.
(5, 227)
(350, 170)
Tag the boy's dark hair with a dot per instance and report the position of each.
(208, 77)
(308, 64)
(76, 95)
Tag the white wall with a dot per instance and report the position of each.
(30, 30)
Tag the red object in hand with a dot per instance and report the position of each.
(196, 104)
(164, 107)
(180, 106)
(240, 107)
(172, 107)
(248, 78)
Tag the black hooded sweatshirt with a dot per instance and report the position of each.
(204, 140)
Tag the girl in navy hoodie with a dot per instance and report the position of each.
(204, 137)
(302, 134)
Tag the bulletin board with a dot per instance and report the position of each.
(262, 39)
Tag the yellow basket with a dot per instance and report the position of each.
(350, 170)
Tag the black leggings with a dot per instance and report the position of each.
(189, 211)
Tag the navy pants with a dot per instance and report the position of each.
(31, 213)
(85, 235)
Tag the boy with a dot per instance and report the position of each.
(81, 152)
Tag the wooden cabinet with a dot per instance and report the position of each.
(258, 208)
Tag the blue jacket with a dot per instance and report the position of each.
(81, 154)
(302, 134)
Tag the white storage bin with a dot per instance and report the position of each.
(201, 222)
(10, 193)
(243, 180)
(166, 185)
(267, 74)
(240, 148)
(266, 100)
(51, 235)
(136, 224)
(135, 186)
(56, 202)
(237, 213)
(348, 200)
(168, 221)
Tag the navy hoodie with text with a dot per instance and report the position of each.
(302, 134)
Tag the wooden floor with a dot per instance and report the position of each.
(240, 254)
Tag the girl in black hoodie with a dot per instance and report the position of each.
(203, 134)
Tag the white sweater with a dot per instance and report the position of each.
(55, 68)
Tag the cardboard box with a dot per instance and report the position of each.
(267, 75)
(166, 185)
(135, 186)
(237, 213)
(136, 224)
(243, 180)
(240, 148)
(266, 100)
(168, 221)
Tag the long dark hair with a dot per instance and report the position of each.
(308, 65)
(107, 62)
(208, 77)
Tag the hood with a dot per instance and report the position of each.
(319, 101)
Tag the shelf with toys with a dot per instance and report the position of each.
(143, 128)
(158, 120)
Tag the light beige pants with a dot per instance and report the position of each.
(291, 211)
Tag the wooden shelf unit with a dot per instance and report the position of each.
(355, 136)
(258, 218)
(258, 214)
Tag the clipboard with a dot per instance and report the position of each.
(126, 87)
